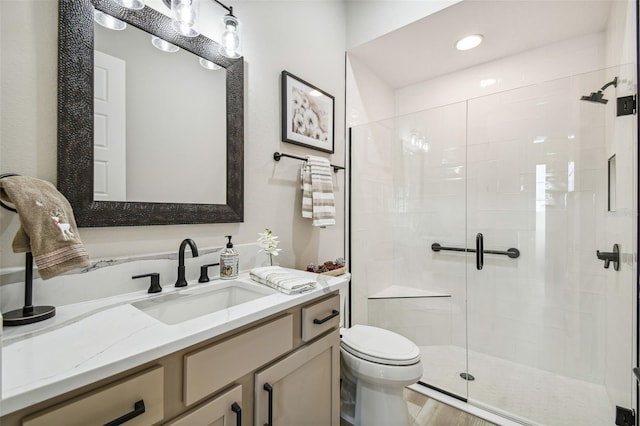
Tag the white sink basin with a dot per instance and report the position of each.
(186, 305)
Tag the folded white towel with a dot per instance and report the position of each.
(282, 280)
(317, 191)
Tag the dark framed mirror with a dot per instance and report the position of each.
(76, 125)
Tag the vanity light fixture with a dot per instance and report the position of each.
(184, 19)
(131, 4)
(163, 45)
(108, 21)
(209, 65)
(230, 46)
(469, 42)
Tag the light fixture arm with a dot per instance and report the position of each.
(228, 8)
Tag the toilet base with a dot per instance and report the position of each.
(380, 407)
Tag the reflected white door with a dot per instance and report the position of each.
(109, 135)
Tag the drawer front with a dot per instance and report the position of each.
(107, 404)
(320, 317)
(212, 368)
(223, 410)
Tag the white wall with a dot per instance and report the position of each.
(304, 38)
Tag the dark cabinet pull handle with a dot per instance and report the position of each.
(235, 407)
(333, 314)
(138, 408)
(269, 390)
(479, 251)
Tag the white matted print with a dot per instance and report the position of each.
(307, 114)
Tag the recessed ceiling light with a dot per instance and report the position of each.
(469, 42)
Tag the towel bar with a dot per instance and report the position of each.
(29, 313)
(513, 253)
(278, 155)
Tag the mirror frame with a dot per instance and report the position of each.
(75, 122)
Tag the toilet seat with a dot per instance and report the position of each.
(379, 346)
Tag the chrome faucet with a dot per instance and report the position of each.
(181, 281)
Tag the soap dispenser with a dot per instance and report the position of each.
(229, 259)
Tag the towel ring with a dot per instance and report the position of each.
(2, 176)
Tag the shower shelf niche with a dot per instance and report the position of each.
(402, 292)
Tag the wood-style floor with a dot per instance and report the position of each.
(424, 411)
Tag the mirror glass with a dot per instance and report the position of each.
(179, 127)
(159, 122)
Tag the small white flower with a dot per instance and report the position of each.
(299, 124)
(311, 120)
(268, 243)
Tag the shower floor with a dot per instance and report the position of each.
(534, 395)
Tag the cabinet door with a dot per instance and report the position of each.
(303, 388)
(223, 410)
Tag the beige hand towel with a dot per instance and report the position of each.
(48, 229)
(324, 211)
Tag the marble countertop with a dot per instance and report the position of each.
(90, 341)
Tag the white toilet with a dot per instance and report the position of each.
(376, 365)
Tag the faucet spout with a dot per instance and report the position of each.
(181, 281)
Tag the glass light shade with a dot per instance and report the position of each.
(230, 43)
(108, 21)
(209, 65)
(131, 4)
(185, 16)
(163, 45)
(469, 42)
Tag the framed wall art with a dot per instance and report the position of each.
(307, 114)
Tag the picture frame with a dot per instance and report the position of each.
(308, 114)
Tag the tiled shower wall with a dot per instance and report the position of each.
(533, 176)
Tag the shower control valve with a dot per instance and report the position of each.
(609, 257)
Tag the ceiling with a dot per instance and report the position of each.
(426, 48)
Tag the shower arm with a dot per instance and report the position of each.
(613, 82)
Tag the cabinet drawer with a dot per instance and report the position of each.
(110, 403)
(214, 367)
(320, 317)
(224, 410)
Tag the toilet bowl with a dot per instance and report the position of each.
(375, 365)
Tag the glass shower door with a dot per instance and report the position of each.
(550, 333)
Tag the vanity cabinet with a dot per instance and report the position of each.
(222, 410)
(221, 380)
(136, 400)
(303, 388)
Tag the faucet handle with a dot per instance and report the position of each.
(204, 269)
(155, 282)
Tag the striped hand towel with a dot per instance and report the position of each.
(282, 280)
(317, 191)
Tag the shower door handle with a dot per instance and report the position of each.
(479, 251)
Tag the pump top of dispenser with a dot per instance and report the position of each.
(229, 249)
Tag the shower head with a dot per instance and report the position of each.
(595, 97)
(598, 96)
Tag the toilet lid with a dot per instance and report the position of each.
(379, 345)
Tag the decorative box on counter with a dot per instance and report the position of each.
(330, 267)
